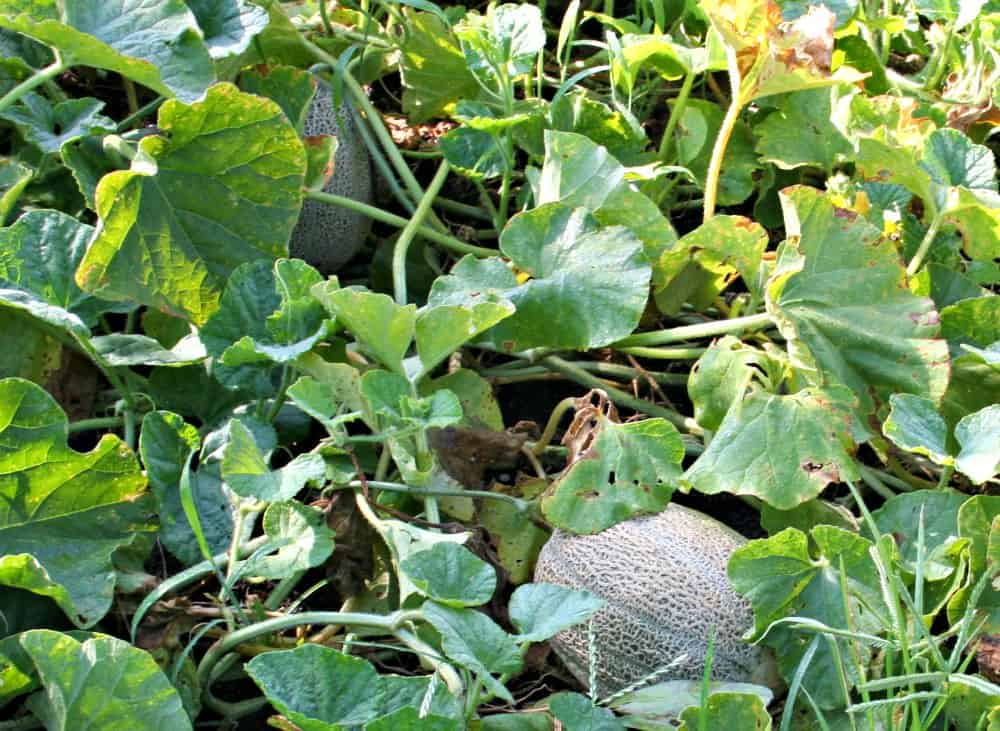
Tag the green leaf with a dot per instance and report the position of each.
(411, 719)
(630, 469)
(580, 173)
(404, 540)
(900, 516)
(267, 317)
(578, 712)
(383, 327)
(129, 350)
(102, 683)
(302, 536)
(318, 688)
(979, 437)
(477, 643)
(744, 711)
(229, 26)
(783, 577)
(839, 297)
(221, 186)
(720, 378)
(433, 67)
(38, 255)
(390, 397)
(799, 132)
(48, 127)
(782, 449)
(697, 131)
(17, 673)
(508, 37)
(474, 153)
(246, 472)
(451, 574)
(540, 611)
(667, 699)
(63, 513)
(165, 444)
(158, 45)
(973, 321)
(915, 425)
(806, 516)
(442, 330)
(568, 302)
(399, 692)
(704, 262)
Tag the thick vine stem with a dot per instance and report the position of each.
(35, 80)
(389, 623)
(448, 242)
(725, 132)
(925, 245)
(692, 332)
(410, 231)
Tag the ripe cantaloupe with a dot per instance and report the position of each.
(664, 580)
(328, 236)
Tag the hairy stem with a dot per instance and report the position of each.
(410, 231)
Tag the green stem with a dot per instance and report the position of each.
(463, 209)
(325, 17)
(553, 423)
(575, 373)
(938, 64)
(410, 231)
(107, 422)
(279, 399)
(611, 370)
(282, 590)
(725, 132)
(691, 332)
(664, 353)
(925, 245)
(389, 623)
(521, 505)
(32, 82)
(675, 116)
(448, 242)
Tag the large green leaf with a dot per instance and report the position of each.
(435, 74)
(318, 688)
(580, 173)
(267, 317)
(587, 287)
(901, 517)
(102, 683)
(792, 574)
(442, 330)
(630, 469)
(38, 256)
(979, 437)
(783, 449)
(580, 713)
(157, 44)
(63, 513)
(839, 297)
(221, 186)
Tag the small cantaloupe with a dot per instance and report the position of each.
(664, 580)
(328, 236)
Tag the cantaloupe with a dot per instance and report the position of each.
(328, 236)
(664, 580)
